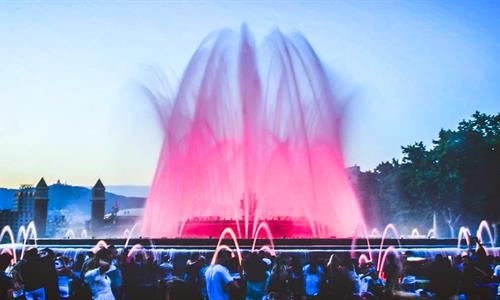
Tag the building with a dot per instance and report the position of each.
(98, 201)
(353, 174)
(30, 204)
(120, 220)
(40, 207)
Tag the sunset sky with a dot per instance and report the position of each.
(70, 109)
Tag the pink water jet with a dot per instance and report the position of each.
(380, 269)
(251, 137)
(355, 237)
(230, 233)
(269, 235)
(391, 227)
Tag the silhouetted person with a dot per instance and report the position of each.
(392, 271)
(443, 278)
(339, 284)
(48, 258)
(166, 269)
(313, 276)
(143, 276)
(6, 282)
(255, 275)
(178, 289)
(32, 276)
(219, 280)
(295, 278)
(193, 276)
(278, 281)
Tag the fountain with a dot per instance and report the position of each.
(251, 138)
(70, 234)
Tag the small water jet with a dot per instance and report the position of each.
(392, 228)
(381, 262)
(27, 233)
(375, 233)
(70, 234)
(127, 234)
(484, 226)
(227, 232)
(415, 233)
(7, 230)
(367, 239)
(267, 230)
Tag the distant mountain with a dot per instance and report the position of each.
(70, 197)
(129, 190)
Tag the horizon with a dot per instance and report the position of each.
(413, 68)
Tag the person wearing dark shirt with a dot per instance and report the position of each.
(443, 278)
(255, 275)
(6, 282)
(30, 274)
(392, 271)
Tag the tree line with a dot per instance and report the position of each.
(457, 178)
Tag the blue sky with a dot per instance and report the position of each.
(69, 109)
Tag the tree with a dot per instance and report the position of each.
(459, 172)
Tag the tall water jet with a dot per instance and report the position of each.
(265, 125)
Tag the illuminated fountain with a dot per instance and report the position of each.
(265, 125)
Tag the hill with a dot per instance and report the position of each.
(70, 197)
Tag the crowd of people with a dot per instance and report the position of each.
(108, 274)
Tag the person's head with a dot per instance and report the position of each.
(113, 250)
(80, 257)
(438, 258)
(346, 264)
(47, 253)
(165, 258)
(295, 264)
(90, 254)
(194, 256)
(466, 259)
(5, 259)
(139, 258)
(104, 257)
(313, 261)
(223, 256)
(69, 262)
(31, 254)
(391, 258)
(372, 271)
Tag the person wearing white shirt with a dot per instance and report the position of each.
(97, 279)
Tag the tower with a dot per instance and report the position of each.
(97, 213)
(40, 205)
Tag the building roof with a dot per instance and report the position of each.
(41, 184)
(129, 212)
(98, 184)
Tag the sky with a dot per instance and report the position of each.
(69, 71)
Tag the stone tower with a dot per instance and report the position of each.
(97, 214)
(40, 206)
